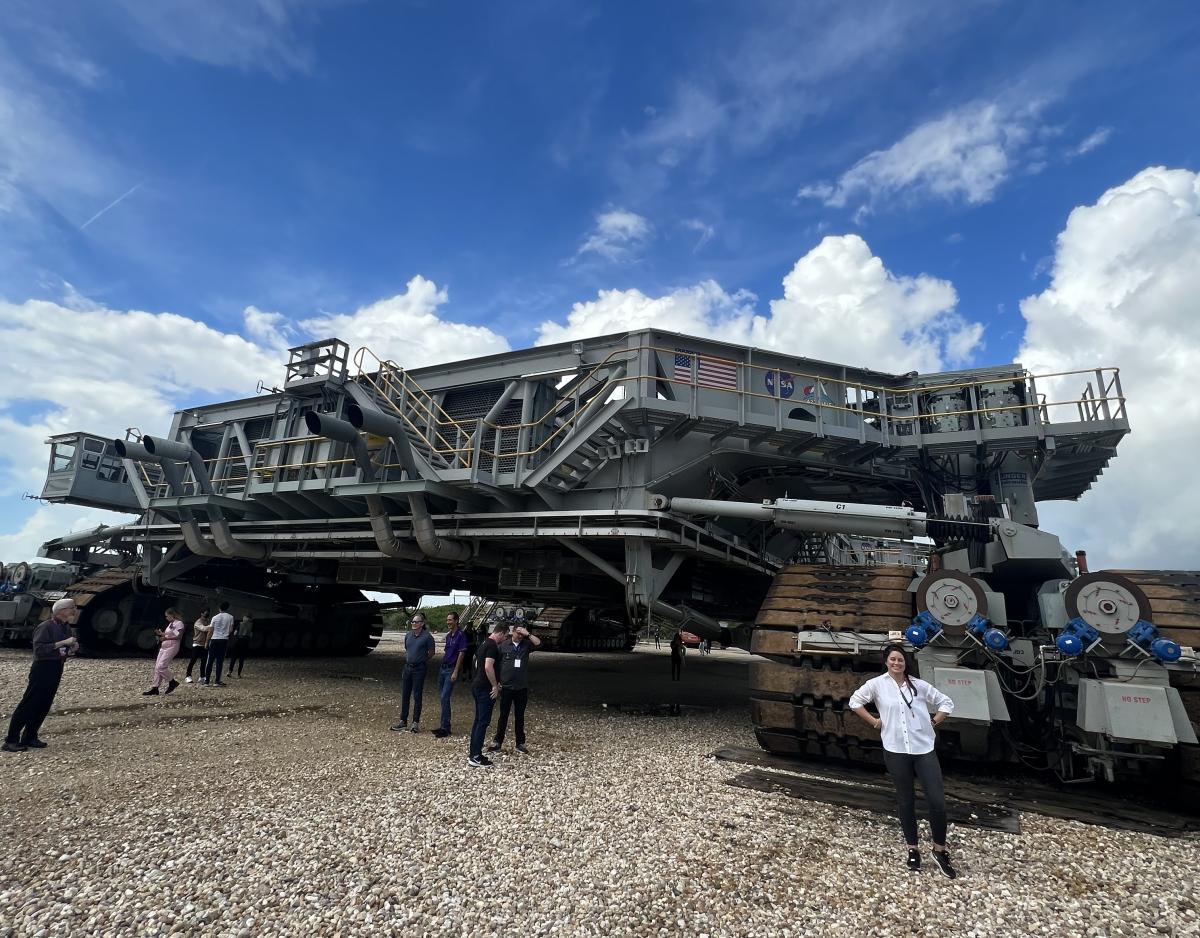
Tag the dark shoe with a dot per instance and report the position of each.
(485, 760)
(152, 692)
(942, 859)
(521, 748)
(399, 727)
(441, 733)
(170, 687)
(220, 684)
(914, 860)
(414, 728)
(32, 744)
(494, 747)
(477, 762)
(12, 747)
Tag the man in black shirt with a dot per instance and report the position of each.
(514, 685)
(485, 688)
(52, 643)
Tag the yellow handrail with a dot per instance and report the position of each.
(396, 380)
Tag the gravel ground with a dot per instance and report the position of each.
(281, 805)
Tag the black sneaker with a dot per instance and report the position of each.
(441, 733)
(494, 747)
(914, 860)
(170, 687)
(152, 692)
(521, 748)
(942, 859)
(485, 760)
(219, 684)
(33, 744)
(399, 727)
(12, 747)
(414, 728)
(477, 762)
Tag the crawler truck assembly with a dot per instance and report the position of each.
(808, 510)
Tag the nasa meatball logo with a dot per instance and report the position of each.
(787, 384)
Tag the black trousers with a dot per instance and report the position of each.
(216, 655)
(237, 654)
(199, 653)
(905, 769)
(512, 699)
(676, 667)
(44, 678)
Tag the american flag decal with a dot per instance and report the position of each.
(710, 372)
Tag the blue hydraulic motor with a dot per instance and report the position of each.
(1076, 638)
(1146, 637)
(923, 630)
(992, 637)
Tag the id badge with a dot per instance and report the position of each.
(517, 663)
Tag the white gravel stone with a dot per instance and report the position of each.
(282, 805)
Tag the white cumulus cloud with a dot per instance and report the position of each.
(407, 329)
(839, 303)
(617, 235)
(964, 154)
(1125, 291)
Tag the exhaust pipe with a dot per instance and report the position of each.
(162, 452)
(381, 523)
(435, 547)
(195, 541)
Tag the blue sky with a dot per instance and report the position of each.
(308, 160)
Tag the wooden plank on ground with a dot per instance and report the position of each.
(1091, 804)
(875, 799)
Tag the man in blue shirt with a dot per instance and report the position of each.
(452, 658)
(418, 649)
(52, 642)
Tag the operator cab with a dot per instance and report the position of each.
(85, 470)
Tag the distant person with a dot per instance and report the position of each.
(52, 643)
(678, 650)
(453, 652)
(222, 628)
(169, 640)
(418, 649)
(514, 685)
(240, 644)
(486, 689)
(468, 665)
(201, 630)
(908, 733)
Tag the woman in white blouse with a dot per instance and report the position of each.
(907, 730)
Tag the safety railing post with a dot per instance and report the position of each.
(1116, 382)
(1103, 395)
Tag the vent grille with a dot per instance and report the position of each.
(522, 578)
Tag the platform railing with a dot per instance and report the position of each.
(873, 407)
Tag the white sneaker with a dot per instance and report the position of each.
(188, 679)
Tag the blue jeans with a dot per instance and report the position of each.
(445, 689)
(483, 716)
(414, 685)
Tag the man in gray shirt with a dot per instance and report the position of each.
(418, 649)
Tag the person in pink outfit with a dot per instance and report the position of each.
(169, 639)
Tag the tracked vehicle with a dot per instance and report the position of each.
(730, 491)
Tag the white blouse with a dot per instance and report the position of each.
(907, 726)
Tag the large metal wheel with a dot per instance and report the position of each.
(798, 697)
(952, 598)
(1110, 603)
